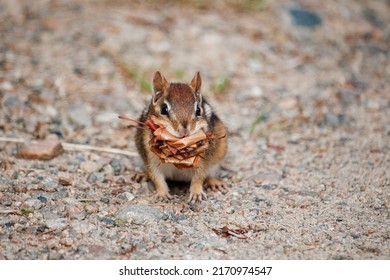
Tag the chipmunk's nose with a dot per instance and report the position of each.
(183, 131)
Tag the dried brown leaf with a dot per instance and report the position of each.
(189, 140)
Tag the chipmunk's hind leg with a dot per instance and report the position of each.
(140, 177)
(214, 184)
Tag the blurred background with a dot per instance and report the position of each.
(303, 87)
(71, 65)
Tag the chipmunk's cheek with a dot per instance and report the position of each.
(157, 121)
(172, 130)
(160, 122)
(199, 125)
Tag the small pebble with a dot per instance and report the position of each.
(19, 188)
(42, 199)
(139, 214)
(181, 217)
(41, 229)
(95, 177)
(305, 18)
(42, 150)
(9, 224)
(267, 187)
(58, 223)
(89, 166)
(105, 199)
(126, 196)
(67, 242)
(64, 181)
(33, 203)
(12, 102)
(50, 184)
(108, 221)
(82, 227)
(308, 193)
(117, 166)
(91, 208)
(5, 182)
(230, 210)
(5, 201)
(334, 120)
(74, 212)
(120, 180)
(168, 239)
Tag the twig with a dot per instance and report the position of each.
(72, 147)
(239, 236)
(8, 139)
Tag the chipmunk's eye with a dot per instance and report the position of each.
(197, 111)
(164, 109)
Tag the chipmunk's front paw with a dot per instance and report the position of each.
(197, 197)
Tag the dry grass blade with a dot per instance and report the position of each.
(80, 147)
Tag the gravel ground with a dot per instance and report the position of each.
(303, 87)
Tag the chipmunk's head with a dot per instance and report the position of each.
(177, 106)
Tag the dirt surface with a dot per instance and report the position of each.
(303, 87)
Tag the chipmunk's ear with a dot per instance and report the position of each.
(160, 84)
(196, 84)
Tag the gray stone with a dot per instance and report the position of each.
(82, 227)
(34, 203)
(334, 120)
(90, 166)
(117, 166)
(308, 193)
(267, 187)
(230, 210)
(5, 201)
(95, 177)
(139, 214)
(58, 223)
(105, 199)
(74, 212)
(107, 221)
(50, 184)
(12, 101)
(126, 196)
(305, 18)
(5, 182)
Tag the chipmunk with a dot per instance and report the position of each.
(183, 111)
